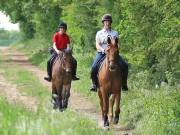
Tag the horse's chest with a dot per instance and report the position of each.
(111, 81)
(67, 79)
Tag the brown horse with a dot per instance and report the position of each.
(61, 79)
(109, 78)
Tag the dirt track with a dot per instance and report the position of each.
(77, 103)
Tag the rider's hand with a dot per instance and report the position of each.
(105, 50)
(58, 52)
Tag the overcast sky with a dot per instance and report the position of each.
(6, 24)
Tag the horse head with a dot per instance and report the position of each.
(112, 53)
(67, 60)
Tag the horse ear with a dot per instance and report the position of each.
(116, 40)
(108, 40)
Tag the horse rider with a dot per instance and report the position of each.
(61, 42)
(101, 46)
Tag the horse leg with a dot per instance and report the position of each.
(63, 93)
(111, 104)
(67, 95)
(54, 97)
(60, 98)
(105, 108)
(117, 111)
(101, 103)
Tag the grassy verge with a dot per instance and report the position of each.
(17, 120)
(150, 111)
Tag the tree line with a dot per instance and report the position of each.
(149, 30)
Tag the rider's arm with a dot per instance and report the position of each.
(68, 46)
(68, 43)
(54, 43)
(55, 48)
(98, 47)
(118, 39)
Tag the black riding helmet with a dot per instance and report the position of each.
(62, 25)
(107, 17)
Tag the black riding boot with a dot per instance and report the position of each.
(94, 86)
(48, 78)
(124, 66)
(74, 69)
(94, 81)
(124, 77)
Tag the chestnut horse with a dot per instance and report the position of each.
(109, 79)
(61, 79)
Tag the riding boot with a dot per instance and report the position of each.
(48, 78)
(94, 81)
(94, 70)
(124, 77)
(74, 69)
(94, 86)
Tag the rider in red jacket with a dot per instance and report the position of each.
(61, 41)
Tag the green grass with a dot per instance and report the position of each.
(152, 112)
(16, 120)
(148, 110)
(26, 81)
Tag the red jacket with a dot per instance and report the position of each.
(61, 40)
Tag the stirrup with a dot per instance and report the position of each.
(124, 88)
(47, 79)
(74, 78)
(93, 88)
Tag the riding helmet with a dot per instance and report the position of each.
(62, 25)
(107, 17)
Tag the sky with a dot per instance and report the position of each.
(6, 24)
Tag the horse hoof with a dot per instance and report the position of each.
(65, 105)
(55, 106)
(115, 120)
(61, 110)
(106, 124)
(106, 128)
